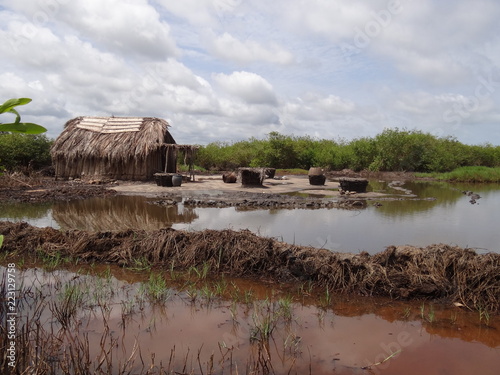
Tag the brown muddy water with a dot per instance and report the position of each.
(110, 320)
(432, 213)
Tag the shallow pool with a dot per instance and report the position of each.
(440, 213)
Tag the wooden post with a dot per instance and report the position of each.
(166, 159)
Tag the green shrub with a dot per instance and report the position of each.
(20, 151)
(391, 150)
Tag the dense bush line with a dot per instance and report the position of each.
(23, 151)
(391, 150)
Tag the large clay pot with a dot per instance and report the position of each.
(316, 176)
(315, 171)
(317, 180)
(176, 180)
(229, 178)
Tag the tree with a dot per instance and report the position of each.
(23, 152)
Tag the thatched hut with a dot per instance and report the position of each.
(125, 148)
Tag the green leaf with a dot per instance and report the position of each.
(1, 240)
(11, 103)
(22, 127)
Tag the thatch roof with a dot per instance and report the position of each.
(118, 147)
(113, 137)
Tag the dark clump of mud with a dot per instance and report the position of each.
(443, 272)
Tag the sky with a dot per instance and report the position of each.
(228, 70)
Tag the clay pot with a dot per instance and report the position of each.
(229, 178)
(176, 180)
(317, 180)
(315, 171)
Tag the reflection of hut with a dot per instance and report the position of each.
(118, 213)
(128, 148)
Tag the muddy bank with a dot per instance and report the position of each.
(25, 189)
(37, 188)
(442, 272)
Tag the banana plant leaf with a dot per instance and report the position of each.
(23, 127)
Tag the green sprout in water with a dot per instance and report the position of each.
(430, 316)
(484, 315)
(157, 287)
(140, 264)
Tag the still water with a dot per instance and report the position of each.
(440, 213)
(220, 322)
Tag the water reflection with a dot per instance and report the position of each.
(38, 214)
(441, 213)
(119, 213)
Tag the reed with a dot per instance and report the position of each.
(156, 288)
(265, 321)
(140, 264)
(286, 307)
(65, 345)
(326, 300)
(70, 301)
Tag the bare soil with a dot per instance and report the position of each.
(19, 188)
(206, 190)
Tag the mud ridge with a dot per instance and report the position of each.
(248, 200)
(442, 272)
(275, 202)
(63, 192)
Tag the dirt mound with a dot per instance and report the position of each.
(436, 272)
(38, 189)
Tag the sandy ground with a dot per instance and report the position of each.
(41, 189)
(215, 185)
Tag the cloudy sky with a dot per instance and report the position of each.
(226, 70)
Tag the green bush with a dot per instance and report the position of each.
(401, 150)
(20, 151)
(391, 150)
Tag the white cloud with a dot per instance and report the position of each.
(314, 107)
(229, 69)
(196, 12)
(248, 87)
(333, 20)
(228, 47)
(131, 28)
